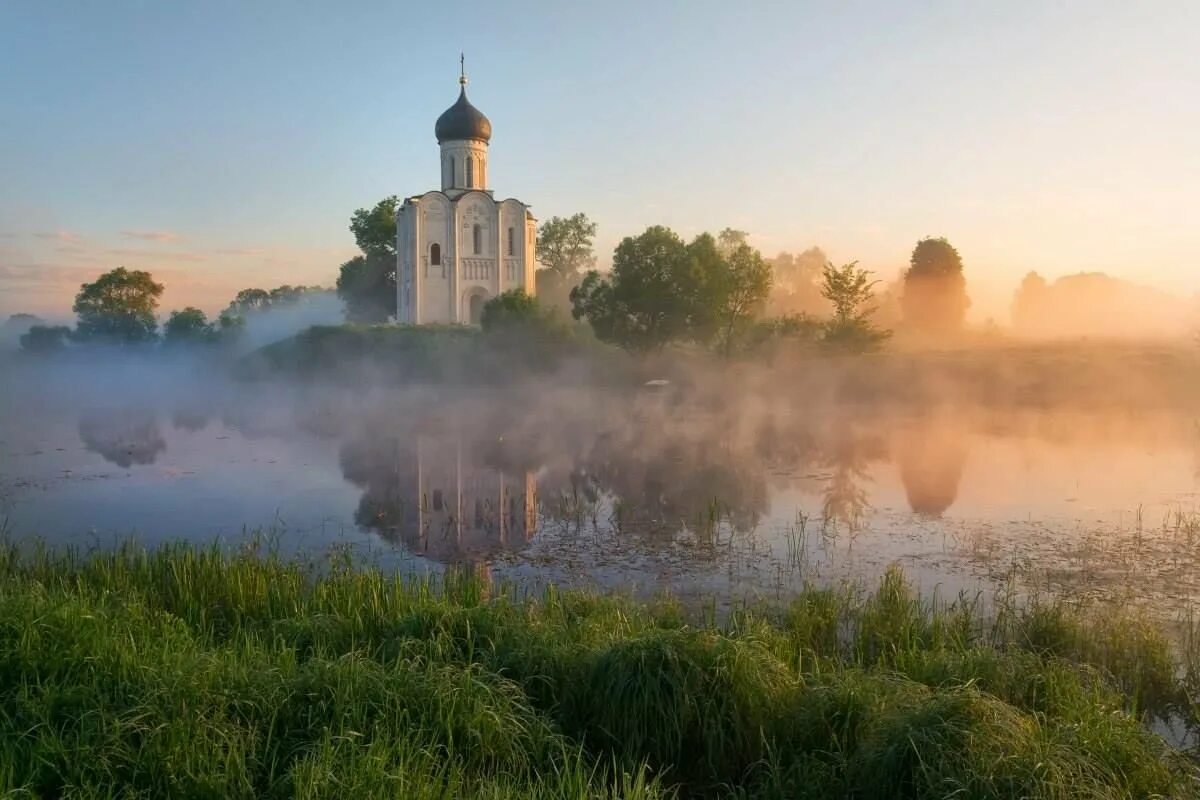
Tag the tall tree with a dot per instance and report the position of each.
(564, 245)
(935, 291)
(648, 298)
(733, 281)
(744, 283)
(118, 308)
(367, 283)
(564, 249)
(374, 228)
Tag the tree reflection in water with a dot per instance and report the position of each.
(931, 455)
(456, 482)
(849, 453)
(122, 436)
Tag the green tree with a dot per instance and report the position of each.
(44, 339)
(851, 292)
(742, 284)
(661, 290)
(564, 245)
(118, 308)
(367, 283)
(564, 249)
(649, 297)
(374, 228)
(189, 326)
(248, 300)
(935, 291)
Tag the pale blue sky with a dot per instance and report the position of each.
(224, 144)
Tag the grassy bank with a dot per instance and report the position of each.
(387, 354)
(190, 673)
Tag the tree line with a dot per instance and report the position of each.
(119, 308)
(716, 290)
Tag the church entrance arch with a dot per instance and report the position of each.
(475, 299)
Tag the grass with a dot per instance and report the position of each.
(187, 672)
(398, 354)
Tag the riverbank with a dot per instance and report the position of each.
(189, 672)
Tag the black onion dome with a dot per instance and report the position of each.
(462, 121)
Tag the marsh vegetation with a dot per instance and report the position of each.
(198, 672)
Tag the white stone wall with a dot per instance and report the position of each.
(456, 174)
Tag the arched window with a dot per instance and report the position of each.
(512, 243)
(451, 181)
(435, 254)
(477, 238)
(470, 172)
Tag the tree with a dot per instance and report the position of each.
(743, 282)
(796, 285)
(730, 240)
(189, 326)
(851, 291)
(248, 300)
(367, 283)
(935, 291)
(17, 326)
(43, 339)
(564, 245)
(374, 228)
(118, 308)
(662, 290)
(564, 248)
(649, 297)
(1030, 302)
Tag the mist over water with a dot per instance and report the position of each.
(973, 470)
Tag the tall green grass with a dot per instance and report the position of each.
(188, 672)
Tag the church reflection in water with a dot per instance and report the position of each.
(441, 496)
(452, 498)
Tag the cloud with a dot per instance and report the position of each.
(44, 274)
(166, 237)
(241, 251)
(157, 255)
(70, 237)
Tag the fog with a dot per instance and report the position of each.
(680, 465)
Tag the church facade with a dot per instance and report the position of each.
(457, 247)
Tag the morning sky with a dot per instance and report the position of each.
(223, 144)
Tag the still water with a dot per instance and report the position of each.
(642, 490)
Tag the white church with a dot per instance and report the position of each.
(457, 247)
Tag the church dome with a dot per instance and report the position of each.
(462, 121)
